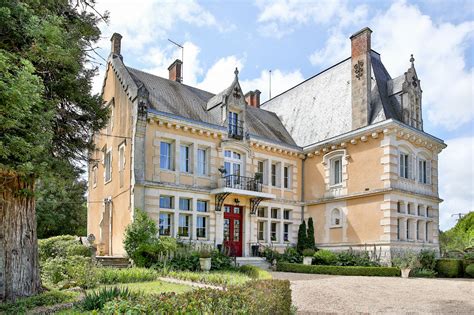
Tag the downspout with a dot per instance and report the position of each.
(302, 188)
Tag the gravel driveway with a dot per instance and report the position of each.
(346, 294)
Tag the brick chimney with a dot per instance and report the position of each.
(116, 41)
(253, 98)
(360, 77)
(175, 69)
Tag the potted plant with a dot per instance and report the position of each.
(406, 261)
(308, 254)
(205, 259)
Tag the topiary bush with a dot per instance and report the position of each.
(470, 270)
(325, 257)
(340, 270)
(302, 237)
(449, 268)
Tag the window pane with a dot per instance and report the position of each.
(166, 202)
(261, 231)
(236, 230)
(165, 224)
(184, 204)
(201, 227)
(274, 231)
(273, 174)
(202, 206)
(285, 177)
(226, 229)
(274, 213)
(286, 214)
(202, 162)
(184, 159)
(165, 155)
(184, 225)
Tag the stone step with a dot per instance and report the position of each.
(254, 261)
(113, 261)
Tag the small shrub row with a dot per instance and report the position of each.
(255, 272)
(257, 297)
(47, 298)
(114, 275)
(340, 270)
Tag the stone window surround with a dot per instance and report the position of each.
(280, 221)
(414, 156)
(340, 188)
(268, 160)
(414, 225)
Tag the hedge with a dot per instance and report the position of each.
(449, 268)
(340, 270)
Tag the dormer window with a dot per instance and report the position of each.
(235, 126)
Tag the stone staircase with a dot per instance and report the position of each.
(259, 262)
(113, 261)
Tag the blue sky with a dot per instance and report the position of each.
(297, 39)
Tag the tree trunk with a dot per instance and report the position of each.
(19, 263)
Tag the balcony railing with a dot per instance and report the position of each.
(236, 129)
(242, 182)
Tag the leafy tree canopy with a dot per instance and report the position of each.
(460, 237)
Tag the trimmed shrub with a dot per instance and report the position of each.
(465, 264)
(470, 270)
(302, 237)
(255, 272)
(325, 257)
(308, 252)
(62, 246)
(340, 270)
(449, 268)
(114, 275)
(310, 242)
(256, 297)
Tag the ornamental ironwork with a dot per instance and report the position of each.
(359, 69)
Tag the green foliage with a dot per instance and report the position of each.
(223, 278)
(271, 254)
(256, 297)
(128, 275)
(405, 259)
(470, 270)
(205, 253)
(423, 273)
(340, 270)
(302, 237)
(255, 272)
(220, 261)
(449, 268)
(141, 231)
(44, 299)
(62, 246)
(308, 252)
(325, 257)
(460, 237)
(96, 300)
(291, 255)
(68, 272)
(61, 205)
(147, 254)
(355, 258)
(427, 259)
(310, 242)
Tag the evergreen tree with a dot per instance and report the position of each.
(310, 236)
(47, 116)
(302, 237)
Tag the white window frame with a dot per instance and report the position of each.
(171, 201)
(289, 214)
(286, 234)
(274, 239)
(202, 163)
(277, 213)
(404, 165)
(188, 226)
(185, 164)
(287, 176)
(261, 231)
(108, 166)
(335, 177)
(206, 224)
(206, 202)
(169, 225)
(264, 212)
(170, 157)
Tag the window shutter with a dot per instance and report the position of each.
(428, 172)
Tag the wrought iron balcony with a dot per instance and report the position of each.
(242, 183)
(236, 129)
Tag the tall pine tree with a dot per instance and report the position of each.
(47, 116)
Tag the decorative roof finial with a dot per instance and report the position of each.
(412, 60)
(236, 72)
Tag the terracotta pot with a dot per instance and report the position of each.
(205, 264)
(308, 260)
(405, 272)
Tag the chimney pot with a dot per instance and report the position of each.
(253, 98)
(175, 71)
(116, 41)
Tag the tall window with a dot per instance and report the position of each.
(286, 177)
(185, 159)
(399, 207)
(121, 164)
(418, 230)
(422, 172)
(273, 232)
(166, 202)
(202, 206)
(165, 224)
(336, 217)
(185, 204)
(336, 170)
(427, 231)
(202, 162)
(94, 175)
(232, 163)
(408, 236)
(274, 175)
(184, 223)
(201, 230)
(409, 208)
(404, 165)
(260, 171)
(398, 229)
(261, 212)
(166, 162)
(108, 166)
(286, 232)
(286, 214)
(275, 213)
(233, 123)
(261, 230)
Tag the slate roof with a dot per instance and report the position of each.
(320, 107)
(182, 100)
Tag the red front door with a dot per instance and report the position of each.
(233, 229)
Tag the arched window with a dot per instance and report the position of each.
(336, 217)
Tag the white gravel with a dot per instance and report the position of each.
(322, 294)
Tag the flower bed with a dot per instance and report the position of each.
(340, 270)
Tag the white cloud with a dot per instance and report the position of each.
(279, 18)
(439, 52)
(456, 184)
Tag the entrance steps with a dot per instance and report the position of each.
(113, 261)
(259, 262)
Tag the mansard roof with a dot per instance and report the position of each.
(182, 100)
(320, 107)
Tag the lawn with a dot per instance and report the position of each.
(154, 287)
